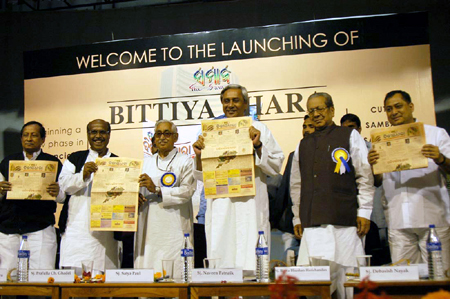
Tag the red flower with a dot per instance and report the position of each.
(284, 287)
(366, 286)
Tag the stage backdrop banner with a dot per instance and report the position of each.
(134, 83)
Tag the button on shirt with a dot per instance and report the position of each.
(419, 197)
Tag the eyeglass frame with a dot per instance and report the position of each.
(166, 134)
(318, 110)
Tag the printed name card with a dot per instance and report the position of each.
(3, 275)
(129, 275)
(390, 273)
(319, 273)
(57, 275)
(217, 275)
(423, 270)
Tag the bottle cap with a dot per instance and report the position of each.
(261, 232)
(432, 226)
(24, 237)
(186, 235)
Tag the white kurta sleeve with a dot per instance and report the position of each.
(363, 174)
(71, 182)
(198, 175)
(443, 142)
(272, 156)
(294, 187)
(61, 195)
(182, 193)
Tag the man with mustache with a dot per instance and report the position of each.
(78, 243)
(167, 182)
(34, 218)
(332, 191)
(416, 198)
(232, 224)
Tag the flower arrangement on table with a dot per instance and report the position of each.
(99, 278)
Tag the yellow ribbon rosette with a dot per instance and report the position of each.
(341, 156)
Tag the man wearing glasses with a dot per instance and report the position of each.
(78, 243)
(167, 183)
(332, 191)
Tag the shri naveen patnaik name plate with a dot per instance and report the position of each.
(217, 275)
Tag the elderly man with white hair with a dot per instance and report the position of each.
(167, 183)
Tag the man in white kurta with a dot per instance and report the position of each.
(232, 224)
(335, 206)
(167, 183)
(416, 198)
(78, 243)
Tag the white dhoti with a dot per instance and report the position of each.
(337, 244)
(42, 246)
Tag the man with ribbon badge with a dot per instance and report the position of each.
(332, 191)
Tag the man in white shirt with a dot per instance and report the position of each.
(232, 224)
(78, 243)
(416, 198)
(332, 191)
(167, 183)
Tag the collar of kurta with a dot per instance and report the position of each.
(35, 155)
(95, 154)
(170, 155)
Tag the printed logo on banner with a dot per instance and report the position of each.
(212, 79)
(147, 143)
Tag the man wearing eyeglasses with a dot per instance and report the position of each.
(332, 191)
(78, 243)
(232, 224)
(167, 183)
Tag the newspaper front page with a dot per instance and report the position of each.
(115, 194)
(227, 160)
(30, 179)
(399, 148)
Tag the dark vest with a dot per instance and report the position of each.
(326, 197)
(26, 216)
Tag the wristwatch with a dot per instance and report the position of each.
(157, 189)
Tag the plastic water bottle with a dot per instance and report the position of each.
(24, 260)
(262, 259)
(434, 248)
(187, 259)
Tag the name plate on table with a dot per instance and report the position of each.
(423, 270)
(3, 275)
(129, 275)
(58, 275)
(390, 273)
(318, 273)
(217, 275)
